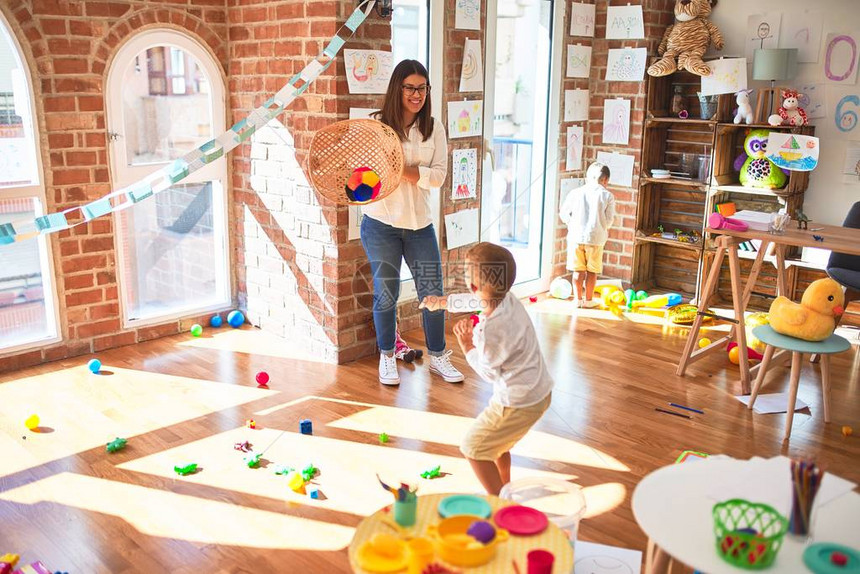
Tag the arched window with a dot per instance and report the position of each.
(28, 310)
(165, 97)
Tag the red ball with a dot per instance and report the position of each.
(533, 298)
(262, 378)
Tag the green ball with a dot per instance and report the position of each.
(641, 295)
(196, 330)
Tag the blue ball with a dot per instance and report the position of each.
(235, 318)
(94, 365)
(216, 321)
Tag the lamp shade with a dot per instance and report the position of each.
(775, 64)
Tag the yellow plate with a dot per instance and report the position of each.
(370, 559)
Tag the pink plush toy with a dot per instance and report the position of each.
(790, 112)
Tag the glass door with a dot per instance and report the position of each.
(517, 116)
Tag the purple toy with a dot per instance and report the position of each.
(482, 531)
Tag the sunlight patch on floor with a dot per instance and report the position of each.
(251, 342)
(85, 411)
(603, 498)
(157, 512)
(347, 469)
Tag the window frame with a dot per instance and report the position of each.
(35, 190)
(123, 174)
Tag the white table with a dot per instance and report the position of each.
(673, 506)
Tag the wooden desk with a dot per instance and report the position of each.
(839, 239)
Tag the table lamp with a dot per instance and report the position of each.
(772, 64)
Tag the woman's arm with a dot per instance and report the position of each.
(434, 175)
(411, 174)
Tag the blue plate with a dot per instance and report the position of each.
(464, 504)
(817, 558)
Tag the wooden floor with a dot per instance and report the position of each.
(65, 501)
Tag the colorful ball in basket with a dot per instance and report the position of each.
(363, 185)
(235, 318)
(355, 161)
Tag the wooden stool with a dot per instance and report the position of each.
(773, 340)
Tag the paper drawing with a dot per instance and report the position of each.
(576, 105)
(624, 23)
(728, 75)
(367, 71)
(573, 160)
(802, 30)
(851, 167)
(464, 173)
(762, 32)
(620, 167)
(811, 99)
(840, 58)
(461, 228)
(793, 152)
(578, 61)
(354, 229)
(626, 64)
(465, 119)
(472, 73)
(467, 15)
(845, 110)
(594, 558)
(582, 19)
(616, 121)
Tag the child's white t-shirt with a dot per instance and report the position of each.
(506, 353)
(588, 212)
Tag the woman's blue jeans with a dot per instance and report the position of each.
(386, 246)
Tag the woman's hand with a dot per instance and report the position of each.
(434, 303)
(463, 331)
(411, 174)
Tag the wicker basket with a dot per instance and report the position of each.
(341, 148)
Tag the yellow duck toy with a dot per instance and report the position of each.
(814, 319)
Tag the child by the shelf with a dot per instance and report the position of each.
(588, 212)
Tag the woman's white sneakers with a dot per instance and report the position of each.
(442, 366)
(388, 370)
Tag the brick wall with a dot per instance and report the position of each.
(618, 257)
(68, 45)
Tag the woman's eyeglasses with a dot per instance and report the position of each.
(410, 90)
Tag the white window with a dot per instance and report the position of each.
(166, 96)
(28, 310)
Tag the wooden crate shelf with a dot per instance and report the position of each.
(674, 181)
(651, 238)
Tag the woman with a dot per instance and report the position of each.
(400, 226)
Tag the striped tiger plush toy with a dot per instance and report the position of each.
(688, 39)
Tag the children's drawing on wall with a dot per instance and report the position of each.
(802, 30)
(810, 97)
(728, 76)
(578, 61)
(762, 32)
(793, 152)
(461, 228)
(573, 160)
(472, 73)
(464, 173)
(851, 167)
(616, 121)
(576, 105)
(582, 19)
(840, 58)
(467, 15)
(845, 108)
(626, 64)
(465, 118)
(620, 167)
(354, 229)
(367, 71)
(624, 23)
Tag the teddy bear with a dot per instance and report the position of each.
(688, 39)
(790, 112)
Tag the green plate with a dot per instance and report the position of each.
(464, 504)
(817, 559)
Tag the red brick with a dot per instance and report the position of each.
(68, 46)
(78, 281)
(157, 331)
(99, 328)
(104, 311)
(96, 139)
(53, 27)
(70, 66)
(84, 298)
(71, 176)
(57, 141)
(320, 8)
(290, 11)
(20, 361)
(91, 103)
(97, 245)
(83, 263)
(105, 277)
(69, 248)
(257, 14)
(112, 341)
(59, 103)
(109, 9)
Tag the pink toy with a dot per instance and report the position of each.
(717, 221)
(790, 111)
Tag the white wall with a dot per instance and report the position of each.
(830, 194)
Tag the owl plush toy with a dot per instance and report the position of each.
(756, 169)
(686, 41)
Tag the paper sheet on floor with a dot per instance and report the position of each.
(772, 403)
(591, 558)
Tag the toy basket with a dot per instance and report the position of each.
(340, 149)
(749, 535)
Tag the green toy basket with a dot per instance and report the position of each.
(748, 534)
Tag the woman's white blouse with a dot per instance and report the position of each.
(408, 207)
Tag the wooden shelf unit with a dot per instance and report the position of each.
(675, 203)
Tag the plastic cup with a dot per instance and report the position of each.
(540, 562)
(405, 510)
(420, 555)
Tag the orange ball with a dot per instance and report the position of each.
(847, 431)
(735, 356)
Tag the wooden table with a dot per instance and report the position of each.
(516, 547)
(839, 239)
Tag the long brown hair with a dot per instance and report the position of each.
(391, 113)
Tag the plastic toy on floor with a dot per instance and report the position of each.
(403, 351)
(814, 318)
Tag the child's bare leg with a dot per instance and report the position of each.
(579, 284)
(590, 283)
(503, 463)
(488, 473)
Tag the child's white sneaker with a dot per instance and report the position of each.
(590, 304)
(442, 366)
(388, 370)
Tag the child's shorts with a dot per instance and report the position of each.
(582, 257)
(498, 428)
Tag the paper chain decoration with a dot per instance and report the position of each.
(207, 153)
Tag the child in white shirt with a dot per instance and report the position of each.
(588, 212)
(503, 348)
